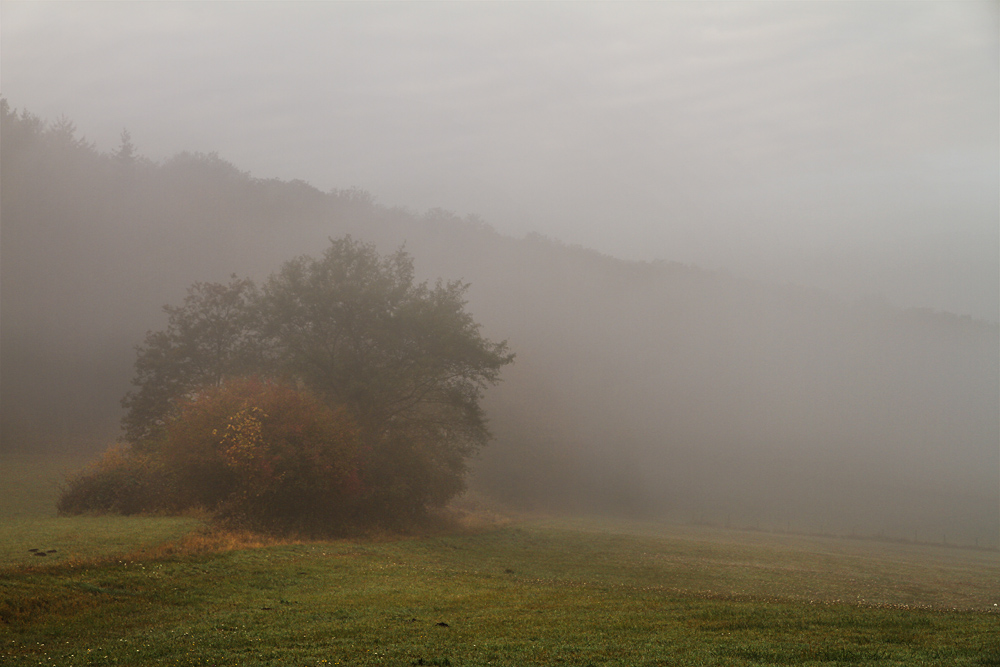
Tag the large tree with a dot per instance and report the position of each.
(406, 358)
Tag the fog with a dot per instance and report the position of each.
(748, 254)
(848, 146)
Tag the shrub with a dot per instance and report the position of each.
(121, 481)
(265, 455)
(257, 453)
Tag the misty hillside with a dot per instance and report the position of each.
(648, 388)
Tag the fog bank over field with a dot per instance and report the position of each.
(847, 146)
(748, 254)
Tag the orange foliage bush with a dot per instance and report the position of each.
(258, 453)
(266, 455)
(121, 481)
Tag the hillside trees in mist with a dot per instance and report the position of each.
(404, 360)
(93, 244)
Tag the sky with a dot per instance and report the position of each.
(849, 146)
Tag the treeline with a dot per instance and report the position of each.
(652, 388)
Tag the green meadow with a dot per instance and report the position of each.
(527, 591)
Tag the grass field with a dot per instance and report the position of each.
(568, 591)
(29, 485)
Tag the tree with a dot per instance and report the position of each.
(406, 359)
(125, 155)
(212, 336)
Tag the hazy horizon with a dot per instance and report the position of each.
(851, 147)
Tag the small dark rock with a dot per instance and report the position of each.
(442, 624)
(33, 550)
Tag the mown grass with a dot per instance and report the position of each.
(537, 592)
(30, 531)
(161, 591)
(60, 540)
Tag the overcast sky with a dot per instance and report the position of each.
(847, 145)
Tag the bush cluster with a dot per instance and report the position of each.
(375, 414)
(122, 481)
(257, 453)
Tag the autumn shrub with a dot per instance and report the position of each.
(265, 455)
(122, 481)
(257, 453)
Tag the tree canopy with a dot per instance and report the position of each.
(406, 359)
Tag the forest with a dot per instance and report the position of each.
(652, 389)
